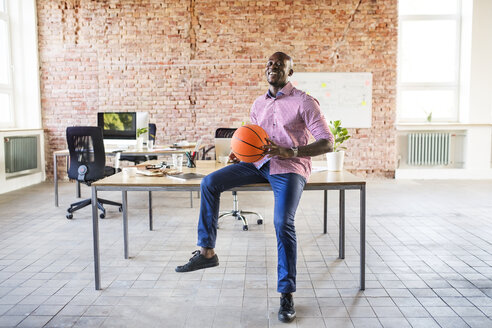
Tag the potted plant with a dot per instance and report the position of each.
(140, 138)
(335, 158)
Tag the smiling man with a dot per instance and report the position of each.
(289, 116)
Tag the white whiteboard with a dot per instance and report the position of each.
(342, 96)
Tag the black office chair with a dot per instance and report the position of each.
(140, 159)
(88, 163)
(235, 212)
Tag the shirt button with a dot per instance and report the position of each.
(274, 124)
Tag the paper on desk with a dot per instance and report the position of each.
(181, 144)
(151, 173)
(318, 169)
(165, 149)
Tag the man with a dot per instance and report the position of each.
(287, 115)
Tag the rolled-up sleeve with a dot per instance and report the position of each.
(315, 120)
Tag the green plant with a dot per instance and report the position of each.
(428, 115)
(340, 134)
(141, 131)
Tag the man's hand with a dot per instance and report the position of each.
(273, 149)
(233, 158)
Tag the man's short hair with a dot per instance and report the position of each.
(283, 54)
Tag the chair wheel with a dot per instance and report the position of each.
(260, 221)
(102, 215)
(245, 228)
(120, 209)
(69, 216)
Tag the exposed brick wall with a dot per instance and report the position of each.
(197, 65)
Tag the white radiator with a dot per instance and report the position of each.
(428, 148)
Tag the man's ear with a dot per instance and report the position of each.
(291, 71)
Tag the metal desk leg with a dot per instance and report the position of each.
(151, 225)
(325, 211)
(95, 239)
(55, 179)
(191, 199)
(124, 204)
(363, 237)
(341, 225)
(77, 184)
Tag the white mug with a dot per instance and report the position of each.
(129, 171)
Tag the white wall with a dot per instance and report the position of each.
(27, 103)
(476, 98)
(479, 141)
(27, 99)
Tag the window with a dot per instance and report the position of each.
(6, 85)
(428, 60)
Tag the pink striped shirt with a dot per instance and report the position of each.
(288, 120)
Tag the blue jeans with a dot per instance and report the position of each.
(287, 190)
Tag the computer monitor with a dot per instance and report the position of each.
(118, 125)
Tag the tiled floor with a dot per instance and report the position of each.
(428, 245)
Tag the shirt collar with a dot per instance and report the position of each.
(287, 89)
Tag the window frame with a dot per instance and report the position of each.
(9, 87)
(431, 86)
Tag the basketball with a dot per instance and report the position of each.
(247, 141)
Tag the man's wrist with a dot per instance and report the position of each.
(295, 151)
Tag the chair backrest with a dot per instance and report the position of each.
(86, 147)
(221, 136)
(152, 131)
(224, 132)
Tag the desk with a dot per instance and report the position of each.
(323, 180)
(158, 150)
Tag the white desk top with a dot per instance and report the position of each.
(206, 167)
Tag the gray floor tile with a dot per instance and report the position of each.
(10, 320)
(34, 321)
(451, 322)
(414, 312)
(423, 322)
(60, 321)
(366, 323)
(395, 323)
(478, 322)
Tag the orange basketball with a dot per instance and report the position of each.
(247, 141)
